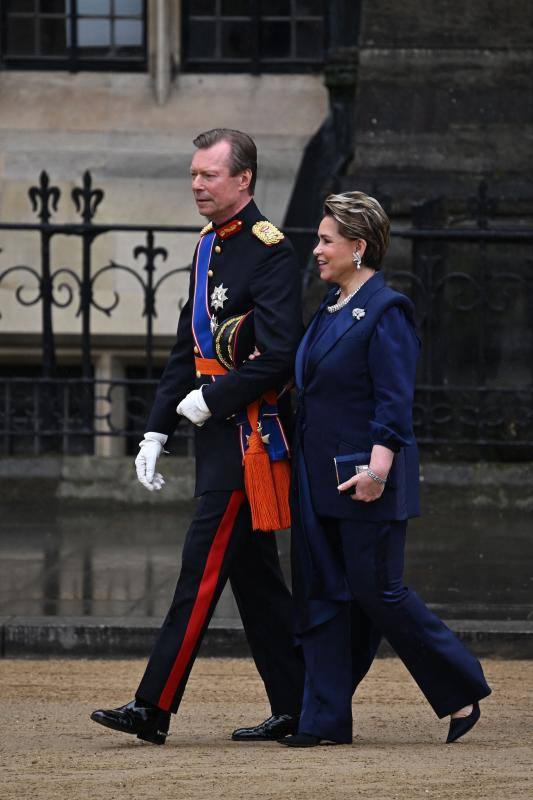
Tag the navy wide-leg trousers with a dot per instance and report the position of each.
(339, 652)
(220, 545)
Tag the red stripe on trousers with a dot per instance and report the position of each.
(203, 600)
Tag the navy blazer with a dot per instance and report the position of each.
(355, 381)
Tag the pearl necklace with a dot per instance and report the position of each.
(337, 306)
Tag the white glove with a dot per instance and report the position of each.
(194, 407)
(151, 447)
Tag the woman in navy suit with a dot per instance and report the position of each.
(356, 485)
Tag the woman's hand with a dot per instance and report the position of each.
(364, 488)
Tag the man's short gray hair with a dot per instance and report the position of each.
(243, 153)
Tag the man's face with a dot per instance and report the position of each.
(218, 194)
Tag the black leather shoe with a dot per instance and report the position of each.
(270, 730)
(461, 725)
(146, 722)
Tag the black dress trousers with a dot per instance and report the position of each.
(221, 544)
(262, 275)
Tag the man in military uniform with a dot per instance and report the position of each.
(243, 266)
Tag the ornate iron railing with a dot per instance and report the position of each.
(470, 281)
(472, 287)
(58, 411)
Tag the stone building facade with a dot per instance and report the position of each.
(442, 97)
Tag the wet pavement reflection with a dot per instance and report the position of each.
(119, 561)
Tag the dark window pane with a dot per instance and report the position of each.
(53, 37)
(21, 5)
(94, 33)
(202, 39)
(235, 8)
(94, 7)
(133, 52)
(55, 6)
(128, 32)
(236, 37)
(21, 37)
(201, 8)
(274, 8)
(314, 8)
(128, 7)
(275, 40)
(309, 40)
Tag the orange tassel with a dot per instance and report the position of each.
(281, 473)
(259, 486)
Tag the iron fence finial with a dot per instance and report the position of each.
(86, 199)
(45, 195)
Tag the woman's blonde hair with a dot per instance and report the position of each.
(360, 216)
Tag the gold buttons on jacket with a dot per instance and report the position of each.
(198, 374)
(210, 273)
(196, 351)
(218, 248)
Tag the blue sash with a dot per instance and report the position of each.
(271, 428)
(201, 315)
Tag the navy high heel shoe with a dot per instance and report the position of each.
(461, 725)
(301, 740)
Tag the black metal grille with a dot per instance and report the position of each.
(61, 410)
(470, 281)
(73, 34)
(256, 36)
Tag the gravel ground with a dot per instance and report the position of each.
(50, 748)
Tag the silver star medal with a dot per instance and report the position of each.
(265, 437)
(219, 295)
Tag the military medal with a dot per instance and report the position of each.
(219, 295)
(213, 325)
(265, 437)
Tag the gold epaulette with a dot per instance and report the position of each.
(267, 233)
(206, 229)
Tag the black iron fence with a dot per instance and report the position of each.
(470, 281)
(65, 408)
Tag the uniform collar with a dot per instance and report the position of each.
(246, 217)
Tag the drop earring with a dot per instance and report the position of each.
(356, 258)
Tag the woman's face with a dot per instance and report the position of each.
(334, 252)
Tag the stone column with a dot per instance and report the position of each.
(163, 74)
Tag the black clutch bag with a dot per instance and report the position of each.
(346, 466)
(234, 340)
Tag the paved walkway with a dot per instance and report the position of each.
(52, 751)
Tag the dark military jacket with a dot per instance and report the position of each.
(257, 276)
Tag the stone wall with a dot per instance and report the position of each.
(459, 486)
(444, 98)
